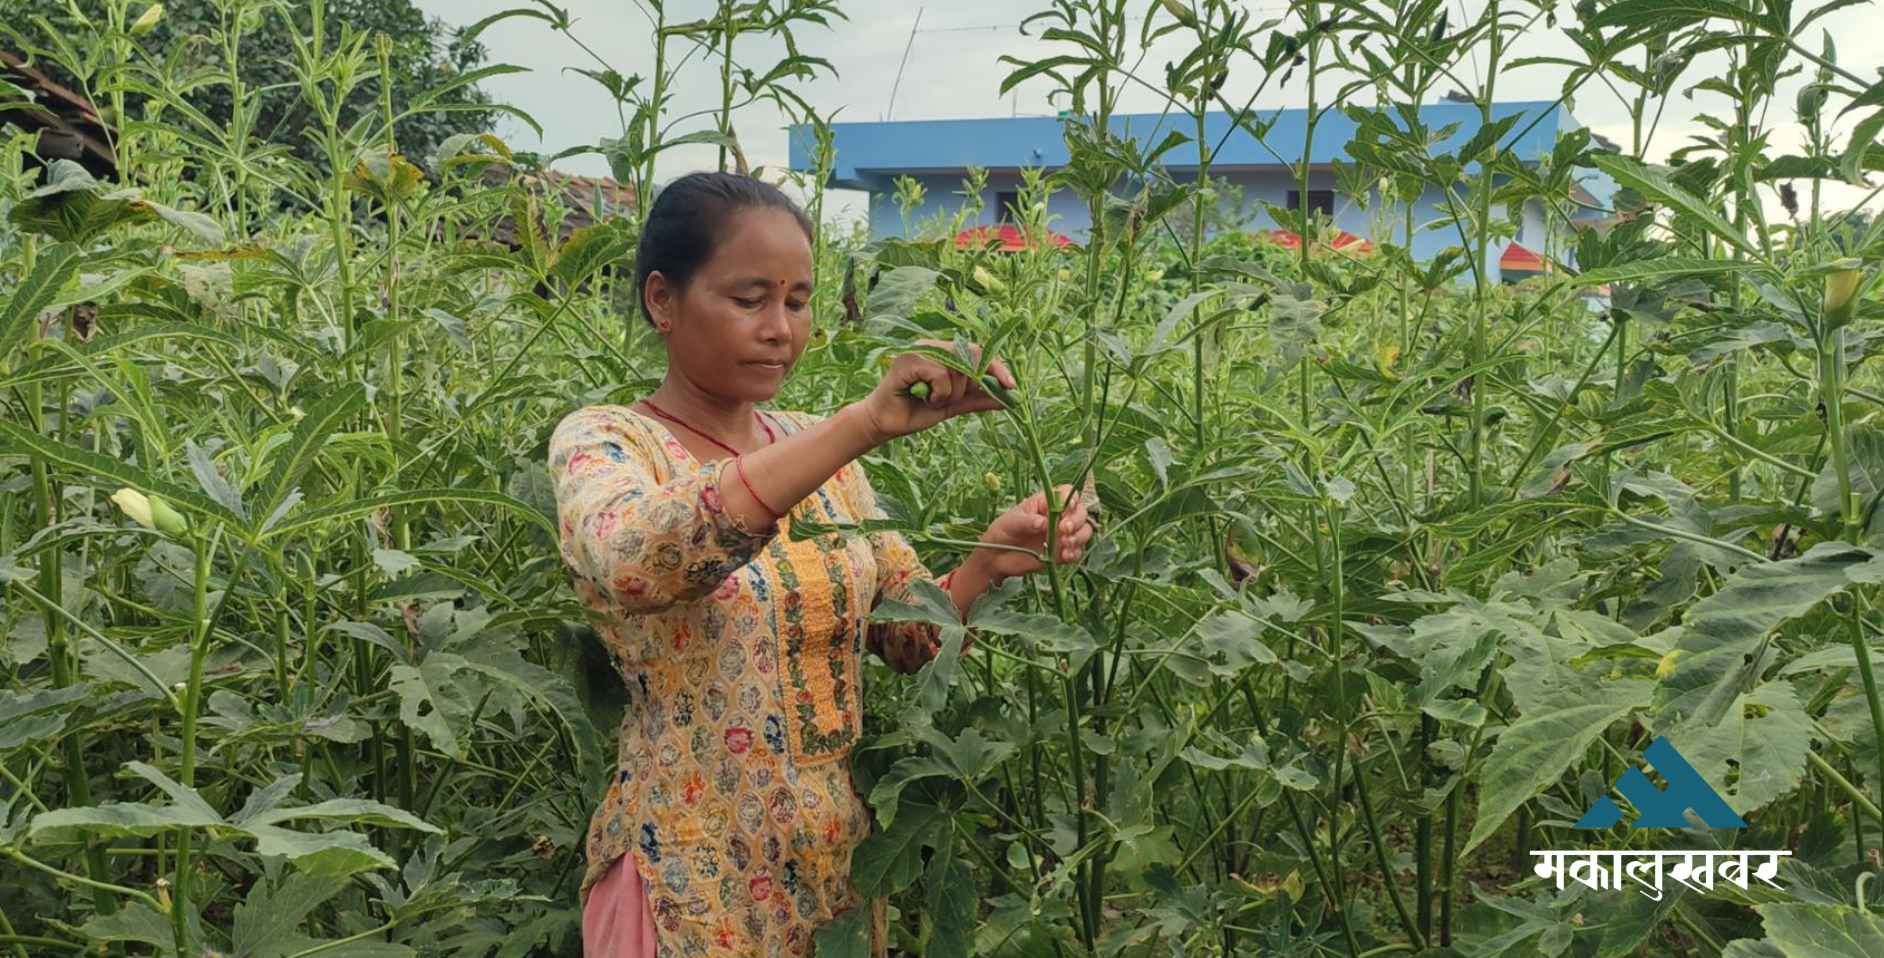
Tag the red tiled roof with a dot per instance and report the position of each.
(1520, 260)
(1009, 235)
(1342, 240)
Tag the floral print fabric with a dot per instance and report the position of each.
(742, 656)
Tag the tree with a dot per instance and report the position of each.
(427, 53)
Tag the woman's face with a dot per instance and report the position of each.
(745, 317)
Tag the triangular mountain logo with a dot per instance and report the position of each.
(1662, 808)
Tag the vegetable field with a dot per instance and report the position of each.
(1399, 568)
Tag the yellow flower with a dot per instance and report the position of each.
(136, 505)
(1841, 296)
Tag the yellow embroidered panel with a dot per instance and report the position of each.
(820, 655)
(816, 621)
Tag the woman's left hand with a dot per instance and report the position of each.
(1025, 525)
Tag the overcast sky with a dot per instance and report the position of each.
(952, 71)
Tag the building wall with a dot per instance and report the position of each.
(1067, 213)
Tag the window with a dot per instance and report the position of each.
(1004, 203)
(1322, 200)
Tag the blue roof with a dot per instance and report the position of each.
(871, 155)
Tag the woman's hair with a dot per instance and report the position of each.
(687, 220)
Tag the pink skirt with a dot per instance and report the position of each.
(617, 921)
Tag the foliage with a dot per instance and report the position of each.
(184, 52)
(1399, 568)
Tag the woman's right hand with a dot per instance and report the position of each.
(894, 412)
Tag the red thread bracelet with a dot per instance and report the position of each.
(739, 463)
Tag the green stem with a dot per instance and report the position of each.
(1337, 586)
(1831, 392)
(40, 866)
(11, 936)
(731, 28)
(57, 613)
(1423, 834)
(1449, 862)
(1481, 300)
(1074, 719)
(1713, 945)
(1380, 856)
(350, 939)
(19, 943)
(204, 551)
(1686, 536)
(1845, 785)
(1302, 831)
(58, 651)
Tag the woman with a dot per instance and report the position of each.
(729, 824)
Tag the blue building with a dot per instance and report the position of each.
(938, 154)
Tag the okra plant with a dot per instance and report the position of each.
(1399, 567)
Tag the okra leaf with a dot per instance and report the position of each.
(357, 811)
(266, 921)
(51, 272)
(953, 904)
(1823, 931)
(310, 434)
(320, 853)
(1535, 750)
(1757, 752)
(845, 936)
(117, 820)
(889, 861)
(1042, 632)
(138, 922)
(1657, 186)
(898, 290)
(1661, 268)
(884, 795)
(1715, 653)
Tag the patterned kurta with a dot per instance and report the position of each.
(742, 655)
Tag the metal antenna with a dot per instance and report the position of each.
(900, 66)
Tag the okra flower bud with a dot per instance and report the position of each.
(151, 512)
(1180, 11)
(986, 280)
(1841, 296)
(148, 21)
